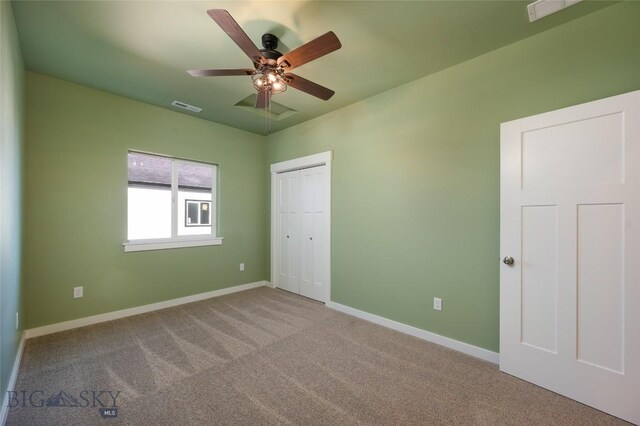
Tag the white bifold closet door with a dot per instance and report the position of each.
(302, 232)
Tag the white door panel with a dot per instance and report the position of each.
(293, 234)
(540, 277)
(585, 152)
(570, 218)
(600, 285)
(308, 189)
(302, 248)
(281, 231)
(287, 231)
(321, 235)
(314, 190)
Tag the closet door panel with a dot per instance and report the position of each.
(293, 232)
(308, 191)
(321, 230)
(314, 206)
(302, 232)
(282, 252)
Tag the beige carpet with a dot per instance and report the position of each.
(265, 356)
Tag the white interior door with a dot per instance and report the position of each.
(570, 220)
(314, 196)
(288, 231)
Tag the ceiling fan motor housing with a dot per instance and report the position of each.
(270, 44)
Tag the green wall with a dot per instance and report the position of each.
(415, 184)
(416, 170)
(11, 142)
(76, 179)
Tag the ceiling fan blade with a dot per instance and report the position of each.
(309, 87)
(217, 73)
(264, 99)
(321, 46)
(233, 30)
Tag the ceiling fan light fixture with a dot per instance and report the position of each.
(269, 80)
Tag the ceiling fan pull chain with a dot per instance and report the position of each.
(267, 111)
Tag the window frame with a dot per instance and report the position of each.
(188, 201)
(177, 241)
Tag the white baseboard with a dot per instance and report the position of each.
(109, 316)
(466, 348)
(4, 410)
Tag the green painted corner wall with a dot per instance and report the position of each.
(75, 213)
(11, 159)
(415, 202)
(415, 185)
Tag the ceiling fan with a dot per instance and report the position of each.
(271, 73)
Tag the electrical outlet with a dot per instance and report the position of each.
(437, 303)
(242, 266)
(17, 320)
(77, 292)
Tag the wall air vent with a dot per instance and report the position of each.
(541, 8)
(186, 106)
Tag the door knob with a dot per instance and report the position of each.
(508, 260)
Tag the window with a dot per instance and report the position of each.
(170, 203)
(197, 213)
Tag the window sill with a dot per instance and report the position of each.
(163, 245)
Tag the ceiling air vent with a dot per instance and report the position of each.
(541, 8)
(186, 106)
(276, 111)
